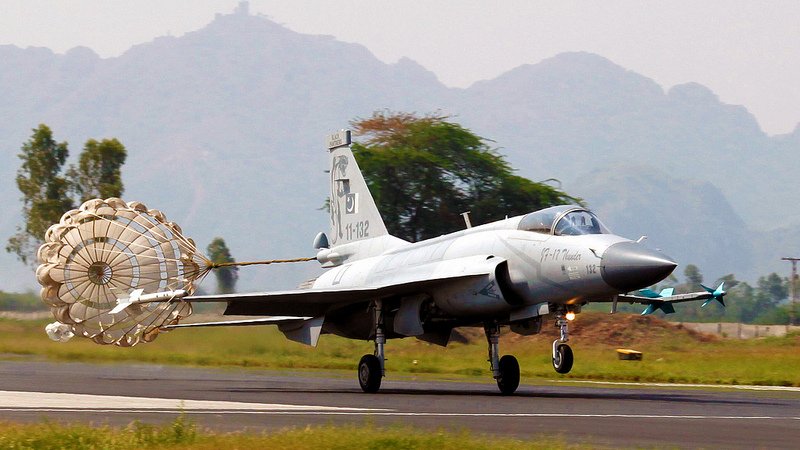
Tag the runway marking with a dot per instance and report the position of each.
(677, 385)
(46, 401)
(385, 413)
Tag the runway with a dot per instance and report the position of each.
(227, 400)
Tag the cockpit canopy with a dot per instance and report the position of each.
(564, 220)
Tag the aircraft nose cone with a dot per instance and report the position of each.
(628, 266)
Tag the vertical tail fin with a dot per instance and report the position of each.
(354, 215)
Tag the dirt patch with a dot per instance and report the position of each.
(620, 329)
(616, 330)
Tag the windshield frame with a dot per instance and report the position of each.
(559, 213)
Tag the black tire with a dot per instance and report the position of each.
(369, 373)
(563, 360)
(509, 375)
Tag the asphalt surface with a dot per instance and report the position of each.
(226, 400)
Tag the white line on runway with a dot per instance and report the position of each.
(676, 385)
(36, 401)
(376, 413)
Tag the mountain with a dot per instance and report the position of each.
(574, 112)
(224, 128)
(689, 220)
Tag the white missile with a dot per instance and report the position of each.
(136, 298)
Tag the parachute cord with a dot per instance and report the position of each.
(211, 265)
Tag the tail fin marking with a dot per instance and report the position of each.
(354, 215)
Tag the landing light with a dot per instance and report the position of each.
(570, 316)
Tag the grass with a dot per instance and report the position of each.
(669, 355)
(181, 434)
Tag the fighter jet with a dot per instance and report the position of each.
(519, 272)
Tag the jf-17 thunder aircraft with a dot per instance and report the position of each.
(519, 272)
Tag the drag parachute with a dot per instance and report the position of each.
(100, 253)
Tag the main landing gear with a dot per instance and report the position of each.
(370, 373)
(562, 353)
(506, 369)
(372, 368)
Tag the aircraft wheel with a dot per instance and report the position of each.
(509, 375)
(563, 360)
(369, 373)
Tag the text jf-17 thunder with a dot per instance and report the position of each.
(518, 272)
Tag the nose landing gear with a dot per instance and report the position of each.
(562, 353)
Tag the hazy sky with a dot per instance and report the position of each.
(747, 52)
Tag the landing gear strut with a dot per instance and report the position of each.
(506, 369)
(562, 353)
(372, 368)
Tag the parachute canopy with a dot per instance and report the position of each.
(101, 252)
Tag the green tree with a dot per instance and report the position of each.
(791, 308)
(44, 193)
(693, 278)
(771, 290)
(227, 276)
(23, 302)
(99, 173)
(670, 281)
(729, 280)
(425, 171)
(741, 304)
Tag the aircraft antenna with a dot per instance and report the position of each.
(465, 215)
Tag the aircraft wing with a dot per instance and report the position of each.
(300, 302)
(275, 320)
(665, 298)
(319, 302)
(305, 330)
